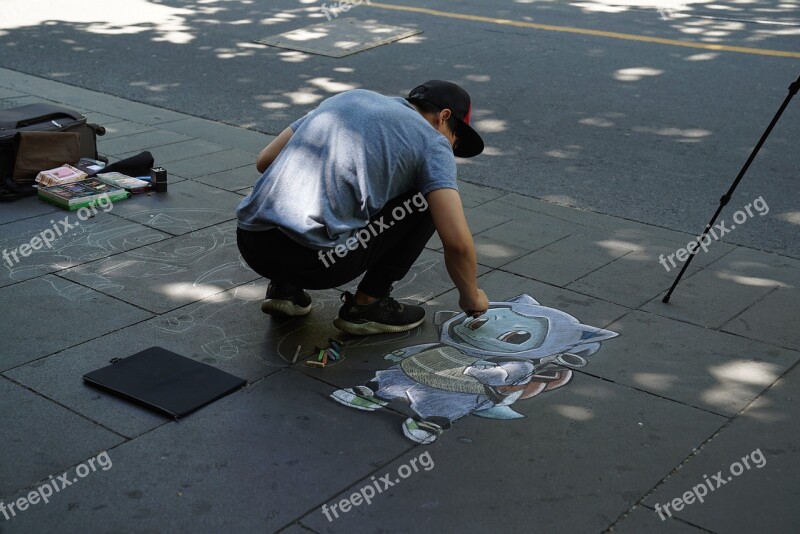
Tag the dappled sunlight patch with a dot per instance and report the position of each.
(746, 372)
(490, 125)
(750, 280)
(494, 250)
(600, 122)
(614, 245)
(634, 74)
(576, 413)
(659, 382)
(185, 290)
(792, 217)
(331, 86)
(702, 57)
(303, 96)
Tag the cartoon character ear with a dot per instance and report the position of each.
(592, 334)
(498, 412)
(524, 299)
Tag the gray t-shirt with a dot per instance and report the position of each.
(345, 160)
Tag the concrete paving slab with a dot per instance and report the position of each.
(195, 470)
(752, 267)
(185, 207)
(473, 195)
(5, 93)
(709, 299)
(499, 285)
(102, 119)
(481, 218)
(494, 253)
(170, 274)
(569, 259)
(24, 208)
(137, 142)
(598, 220)
(241, 178)
(121, 128)
(223, 134)
(492, 464)
(637, 277)
(689, 364)
(47, 444)
(244, 192)
(166, 154)
(754, 499)
(97, 237)
(75, 313)
(644, 519)
(227, 331)
(213, 163)
(532, 232)
(774, 319)
(77, 97)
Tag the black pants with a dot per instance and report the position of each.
(389, 246)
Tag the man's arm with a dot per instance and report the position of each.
(459, 249)
(271, 151)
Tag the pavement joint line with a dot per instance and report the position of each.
(81, 415)
(652, 394)
(589, 32)
(681, 520)
(700, 447)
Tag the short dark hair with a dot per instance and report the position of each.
(426, 107)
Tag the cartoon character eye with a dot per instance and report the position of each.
(477, 323)
(517, 337)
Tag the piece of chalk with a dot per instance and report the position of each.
(334, 353)
(334, 342)
(320, 355)
(324, 358)
(314, 363)
(296, 354)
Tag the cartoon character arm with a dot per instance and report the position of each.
(504, 374)
(399, 355)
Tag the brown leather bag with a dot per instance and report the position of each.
(40, 151)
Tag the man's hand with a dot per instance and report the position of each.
(476, 305)
(459, 249)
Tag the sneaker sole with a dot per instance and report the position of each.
(345, 398)
(368, 328)
(283, 308)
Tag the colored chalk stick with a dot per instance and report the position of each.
(333, 353)
(314, 363)
(320, 355)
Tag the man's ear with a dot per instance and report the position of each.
(445, 114)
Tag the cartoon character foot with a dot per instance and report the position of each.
(359, 397)
(421, 432)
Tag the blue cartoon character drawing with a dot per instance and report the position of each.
(516, 350)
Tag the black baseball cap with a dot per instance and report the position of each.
(451, 96)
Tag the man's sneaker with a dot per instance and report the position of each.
(383, 316)
(359, 397)
(281, 303)
(421, 432)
